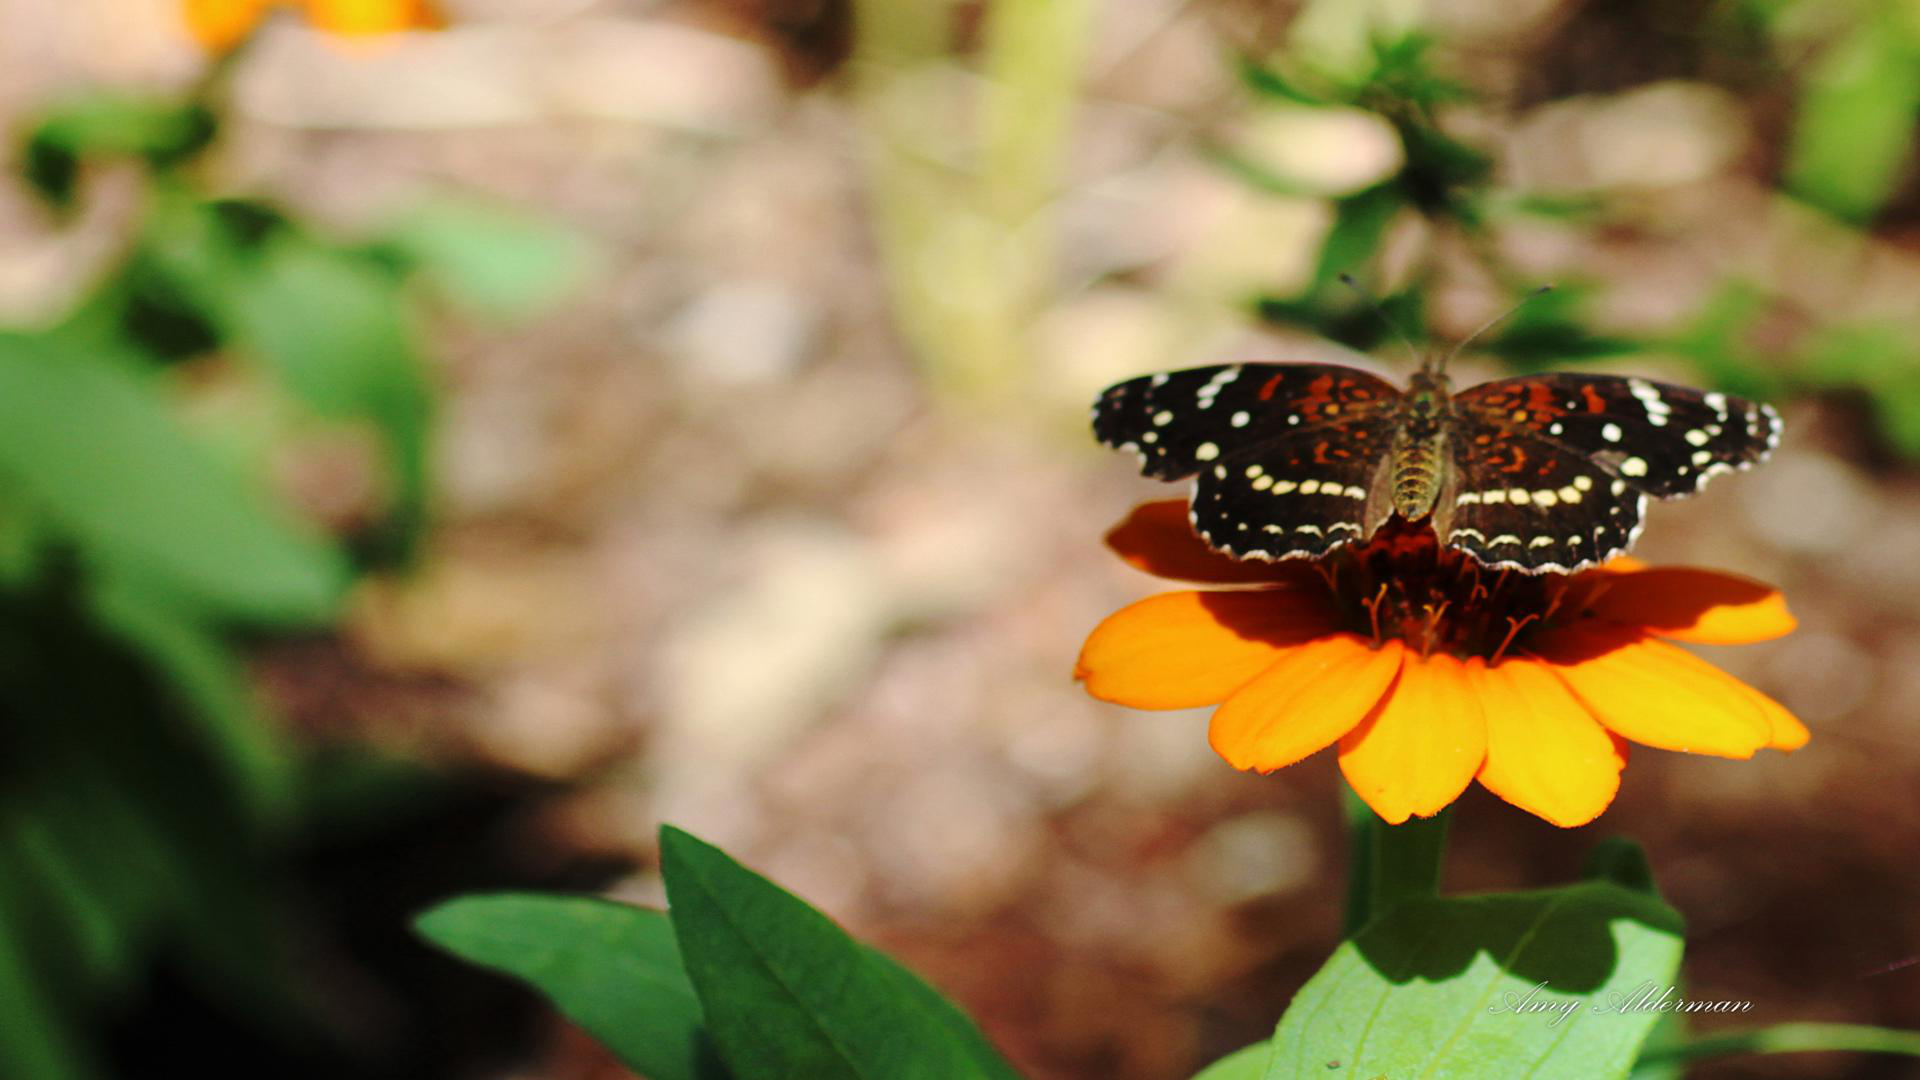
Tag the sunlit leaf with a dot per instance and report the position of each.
(1446, 987)
(1246, 1063)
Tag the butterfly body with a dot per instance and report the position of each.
(1418, 460)
(1535, 473)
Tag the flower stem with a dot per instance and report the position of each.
(1789, 1039)
(1388, 864)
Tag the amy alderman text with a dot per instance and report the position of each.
(1648, 997)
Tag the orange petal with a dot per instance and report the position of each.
(1421, 745)
(1656, 694)
(1158, 538)
(219, 25)
(1696, 605)
(1309, 697)
(1546, 754)
(1786, 732)
(1186, 649)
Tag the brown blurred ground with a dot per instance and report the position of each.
(711, 551)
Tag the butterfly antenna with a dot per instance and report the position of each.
(1490, 324)
(1373, 303)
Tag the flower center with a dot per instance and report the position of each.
(1403, 584)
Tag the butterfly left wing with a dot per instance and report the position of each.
(1181, 421)
(1552, 472)
(1300, 495)
(1283, 455)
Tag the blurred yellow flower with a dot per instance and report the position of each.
(220, 25)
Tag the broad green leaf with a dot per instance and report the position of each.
(1801, 1038)
(1246, 1063)
(612, 968)
(335, 327)
(1621, 861)
(91, 445)
(212, 688)
(1715, 340)
(1549, 329)
(496, 263)
(786, 993)
(1459, 987)
(332, 324)
(1669, 1033)
(36, 1037)
(959, 1027)
(1359, 225)
(109, 125)
(1853, 136)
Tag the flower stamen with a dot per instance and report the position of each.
(1373, 611)
(1513, 631)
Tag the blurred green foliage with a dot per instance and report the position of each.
(1852, 72)
(739, 978)
(142, 790)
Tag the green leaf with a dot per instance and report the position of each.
(212, 688)
(1715, 340)
(1246, 1063)
(496, 263)
(1267, 80)
(612, 968)
(109, 125)
(1852, 138)
(91, 445)
(1622, 862)
(787, 993)
(1359, 224)
(335, 328)
(1550, 329)
(1447, 987)
(1802, 1038)
(1669, 1031)
(36, 1037)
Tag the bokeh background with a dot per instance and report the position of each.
(428, 463)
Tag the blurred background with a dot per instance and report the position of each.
(430, 460)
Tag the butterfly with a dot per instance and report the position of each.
(1536, 473)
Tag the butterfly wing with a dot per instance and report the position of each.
(1301, 495)
(1284, 455)
(1179, 421)
(1552, 472)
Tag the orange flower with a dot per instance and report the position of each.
(220, 25)
(1431, 671)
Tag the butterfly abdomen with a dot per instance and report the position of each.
(1416, 477)
(1419, 448)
